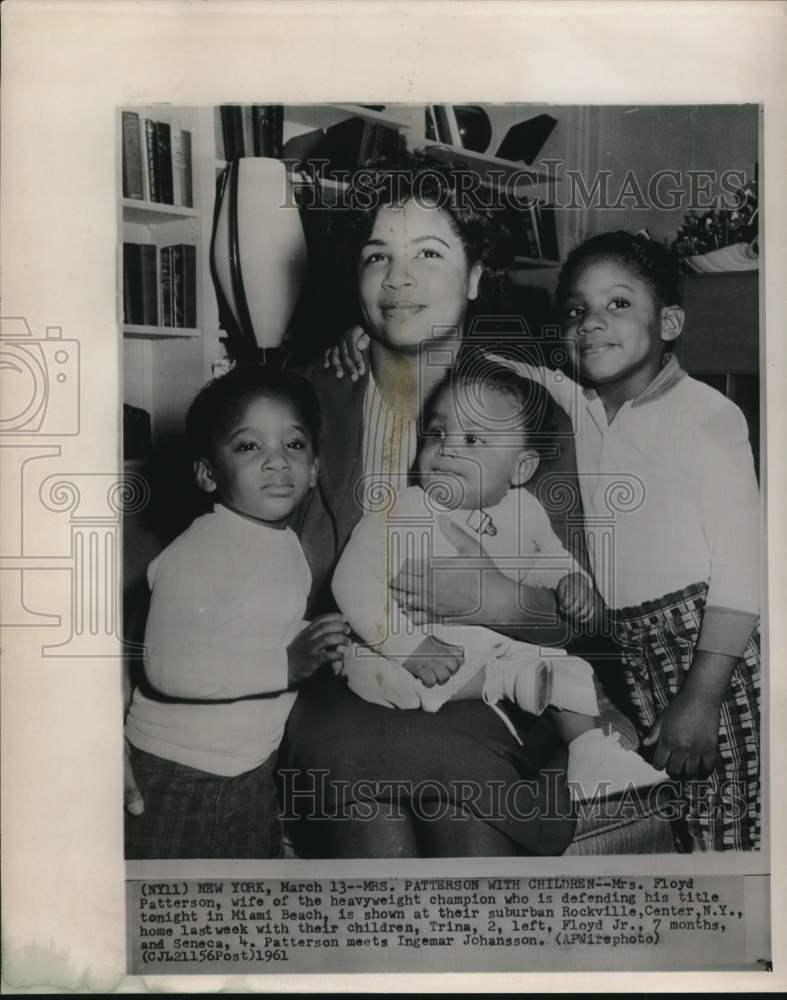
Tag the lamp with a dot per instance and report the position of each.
(258, 255)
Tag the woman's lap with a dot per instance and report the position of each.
(340, 751)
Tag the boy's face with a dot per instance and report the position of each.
(264, 465)
(619, 329)
(474, 448)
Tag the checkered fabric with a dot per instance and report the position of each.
(193, 814)
(657, 642)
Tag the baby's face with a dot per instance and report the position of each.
(473, 446)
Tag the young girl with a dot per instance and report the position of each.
(682, 586)
(225, 636)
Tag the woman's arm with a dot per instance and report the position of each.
(478, 594)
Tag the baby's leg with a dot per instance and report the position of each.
(570, 725)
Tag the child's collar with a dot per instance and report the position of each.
(671, 373)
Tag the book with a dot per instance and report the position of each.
(132, 156)
(532, 246)
(133, 312)
(248, 136)
(547, 231)
(181, 167)
(187, 180)
(232, 131)
(165, 285)
(149, 279)
(218, 134)
(177, 284)
(447, 128)
(268, 129)
(151, 153)
(430, 125)
(189, 285)
(164, 161)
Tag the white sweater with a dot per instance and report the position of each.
(228, 596)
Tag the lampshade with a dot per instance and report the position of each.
(258, 252)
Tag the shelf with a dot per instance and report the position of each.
(323, 116)
(159, 332)
(484, 163)
(148, 212)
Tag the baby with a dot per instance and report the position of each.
(480, 447)
(225, 640)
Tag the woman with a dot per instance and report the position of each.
(359, 780)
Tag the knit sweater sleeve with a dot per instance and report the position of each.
(721, 469)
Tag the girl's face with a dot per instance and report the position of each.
(264, 465)
(414, 279)
(619, 329)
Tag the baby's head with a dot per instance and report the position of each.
(255, 436)
(619, 298)
(481, 434)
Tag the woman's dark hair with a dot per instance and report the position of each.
(415, 177)
(219, 402)
(653, 262)
(534, 408)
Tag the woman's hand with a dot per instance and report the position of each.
(322, 641)
(686, 736)
(434, 595)
(347, 355)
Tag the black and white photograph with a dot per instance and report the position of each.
(454, 534)
(429, 581)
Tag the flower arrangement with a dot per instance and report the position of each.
(722, 239)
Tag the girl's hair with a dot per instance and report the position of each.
(654, 263)
(408, 176)
(219, 403)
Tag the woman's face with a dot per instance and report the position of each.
(414, 279)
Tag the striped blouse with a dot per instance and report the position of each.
(390, 444)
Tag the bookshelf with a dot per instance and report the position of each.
(165, 364)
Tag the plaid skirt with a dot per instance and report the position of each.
(657, 641)
(193, 814)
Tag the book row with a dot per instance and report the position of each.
(160, 285)
(249, 130)
(157, 164)
(537, 232)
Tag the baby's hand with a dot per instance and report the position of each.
(434, 662)
(322, 641)
(576, 597)
(347, 355)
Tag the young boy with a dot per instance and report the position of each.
(479, 450)
(225, 639)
